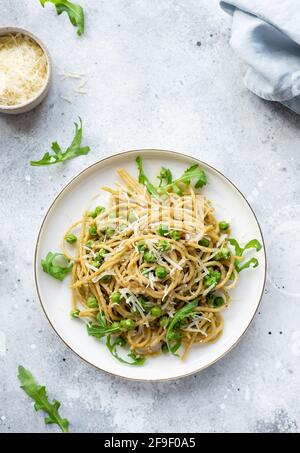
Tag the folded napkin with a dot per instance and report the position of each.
(266, 34)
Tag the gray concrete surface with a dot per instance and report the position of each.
(159, 74)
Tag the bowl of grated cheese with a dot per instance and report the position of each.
(25, 70)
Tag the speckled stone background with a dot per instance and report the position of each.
(158, 74)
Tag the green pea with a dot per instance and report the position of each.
(70, 238)
(110, 232)
(160, 272)
(209, 281)
(215, 301)
(162, 230)
(93, 230)
(164, 246)
(90, 244)
(127, 324)
(99, 210)
(163, 322)
(149, 257)
(223, 254)
(156, 311)
(141, 246)
(212, 279)
(95, 263)
(218, 302)
(175, 234)
(223, 225)
(100, 255)
(75, 313)
(204, 242)
(116, 297)
(92, 302)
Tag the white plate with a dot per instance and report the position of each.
(55, 296)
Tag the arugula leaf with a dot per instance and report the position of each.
(192, 174)
(143, 179)
(253, 244)
(165, 175)
(119, 341)
(252, 261)
(100, 331)
(171, 336)
(101, 320)
(239, 251)
(56, 265)
(175, 189)
(72, 151)
(103, 329)
(74, 11)
(39, 395)
(237, 247)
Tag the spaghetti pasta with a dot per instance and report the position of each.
(154, 268)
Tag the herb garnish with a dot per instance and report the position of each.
(74, 11)
(165, 175)
(40, 398)
(253, 244)
(193, 174)
(103, 328)
(56, 265)
(72, 151)
(119, 341)
(174, 338)
(143, 179)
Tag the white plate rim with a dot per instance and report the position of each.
(145, 151)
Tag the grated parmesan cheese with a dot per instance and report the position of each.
(209, 289)
(65, 98)
(90, 250)
(71, 75)
(132, 300)
(193, 327)
(93, 268)
(152, 280)
(23, 69)
(103, 274)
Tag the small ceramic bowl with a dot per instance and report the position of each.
(38, 97)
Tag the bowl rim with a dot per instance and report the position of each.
(68, 184)
(6, 30)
